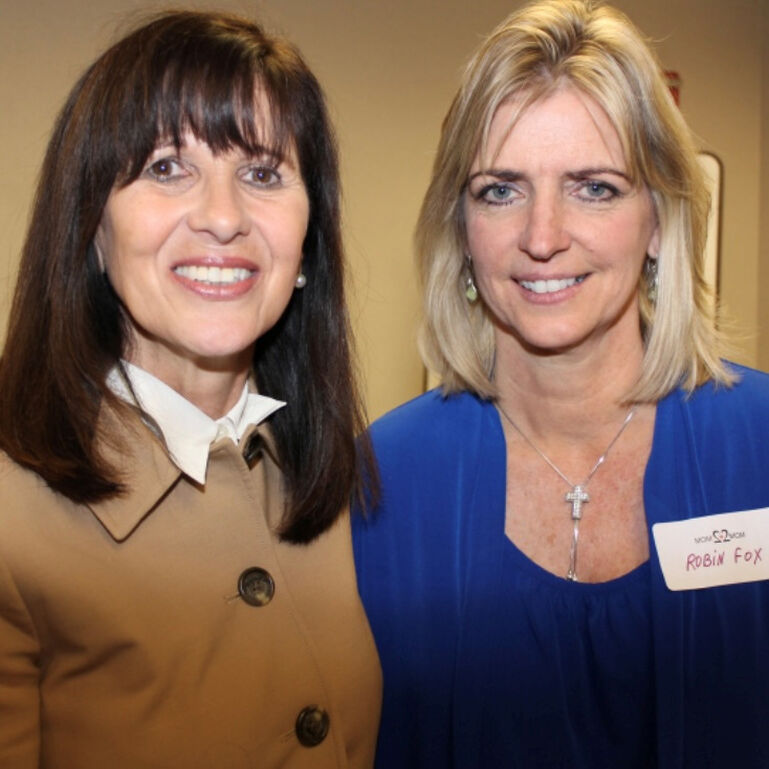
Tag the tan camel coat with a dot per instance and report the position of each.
(124, 642)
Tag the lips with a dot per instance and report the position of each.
(213, 275)
(217, 278)
(551, 285)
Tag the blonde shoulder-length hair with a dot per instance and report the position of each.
(597, 50)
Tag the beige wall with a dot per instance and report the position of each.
(390, 69)
(763, 251)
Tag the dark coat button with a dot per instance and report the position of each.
(312, 726)
(256, 587)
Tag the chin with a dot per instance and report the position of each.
(224, 352)
(221, 339)
(547, 341)
(220, 352)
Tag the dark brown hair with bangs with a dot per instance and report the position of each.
(198, 72)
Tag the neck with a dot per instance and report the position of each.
(575, 397)
(213, 388)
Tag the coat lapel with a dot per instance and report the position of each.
(147, 474)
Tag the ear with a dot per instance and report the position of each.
(653, 249)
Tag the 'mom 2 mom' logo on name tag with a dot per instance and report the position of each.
(714, 550)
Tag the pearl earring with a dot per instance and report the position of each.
(301, 280)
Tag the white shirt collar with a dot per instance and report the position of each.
(188, 432)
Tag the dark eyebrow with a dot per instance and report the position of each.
(586, 173)
(507, 175)
(502, 174)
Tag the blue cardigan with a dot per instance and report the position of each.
(428, 567)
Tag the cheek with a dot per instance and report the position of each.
(475, 233)
(133, 271)
(478, 245)
(288, 242)
(295, 226)
(491, 232)
(487, 247)
(129, 269)
(639, 226)
(283, 229)
(634, 241)
(132, 245)
(136, 226)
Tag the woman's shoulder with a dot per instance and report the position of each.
(428, 412)
(749, 392)
(28, 503)
(29, 508)
(752, 383)
(430, 420)
(435, 436)
(18, 484)
(730, 420)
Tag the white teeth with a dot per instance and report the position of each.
(220, 276)
(549, 286)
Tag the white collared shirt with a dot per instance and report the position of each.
(188, 432)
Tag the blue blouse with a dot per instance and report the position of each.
(490, 661)
(569, 670)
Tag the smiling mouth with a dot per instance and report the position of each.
(213, 276)
(550, 286)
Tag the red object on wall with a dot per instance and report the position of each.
(674, 84)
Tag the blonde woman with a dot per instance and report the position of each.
(533, 601)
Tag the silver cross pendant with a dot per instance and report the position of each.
(577, 496)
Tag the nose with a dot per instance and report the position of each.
(220, 209)
(544, 233)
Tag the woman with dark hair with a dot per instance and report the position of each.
(177, 416)
(567, 566)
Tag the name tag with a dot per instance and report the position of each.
(714, 550)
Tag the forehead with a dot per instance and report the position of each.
(563, 126)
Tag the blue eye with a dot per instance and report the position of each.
(593, 190)
(496, 194)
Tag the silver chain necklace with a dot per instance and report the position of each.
(578, 495)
